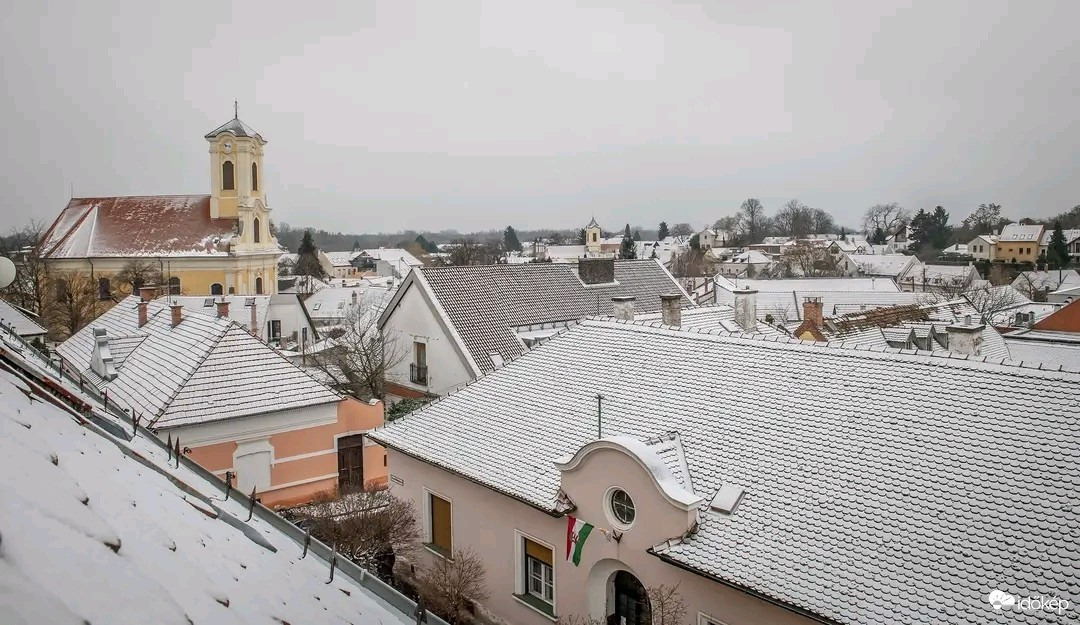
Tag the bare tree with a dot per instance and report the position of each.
(666, 605)
(682, 230)
(450, 585)
(72, 302)
(809, 260)
(754, 220)
(688, 263)
(136, 273)
(794, 219)
(886, 217)
(464, 252)
(372, 527)
(31, 285)
(822, 221)
(360, 356)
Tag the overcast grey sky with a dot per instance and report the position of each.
(459, 114)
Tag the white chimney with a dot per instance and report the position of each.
(101, 360)
(746, 308)
(965, 338)
(623, 308)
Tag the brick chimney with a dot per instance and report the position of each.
(813, 311)
(147, 292)
(177, 313)
(746, 308)
(596, 270)
(143, 314)
(254, 319)
(671, 309)
(966, 338)
(222, 307)
(623, 307)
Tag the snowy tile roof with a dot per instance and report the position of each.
(341, 259)
(239, 310)
(17, 320)
(788, 305)
(1055, 354)
(1017, 232)
(334, 303)
(205, 369)
(720, 317)
(1070, 236)
(890, 265)
(98, 529)
(393, 255)
(1053, 280)
(871, 477)
(235, 127)
(486, 302)
(152, 225)
(811, 284)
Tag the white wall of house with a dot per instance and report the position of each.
(493, 526)
(414, 321)
(290, 312)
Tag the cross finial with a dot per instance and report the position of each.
(236, 109)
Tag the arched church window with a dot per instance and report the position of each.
(256, 231)
(228, 181)
(215, 289)
(258, 286)
(254, 177)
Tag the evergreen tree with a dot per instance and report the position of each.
(1058, 250)
(308, 262)
(628, 249)
(581, 236)
(879, 237)
(843, 235)
(637, 235)
(662, 233)
(510, 240)
(426, 245)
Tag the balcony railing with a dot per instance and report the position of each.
(418, 374)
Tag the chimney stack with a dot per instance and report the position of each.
(966, 338)
(623, 307)
(813, 311)
(254, 319)
(746, 308)
(177, 313)
(596, 270)
(143, 314)
(671, 309)
(222, 308)
(147, 292)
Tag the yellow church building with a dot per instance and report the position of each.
(214, 244)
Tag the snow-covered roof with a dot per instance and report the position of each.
(335, 303)
(565, 252)
(204, 369)
(720, 317)
(99, 529)
(956, 248)
(236, 128)
(394, 256)
(810, 284)
(890, 265)
(341, 259)
(868, 474)
(1070, 235)
(1017, 232)
(153, 225)
(1052, 280)
(485, 303)
(14, 318)
(239, 307)
(1051, 348)
(751, 257)
(941, 275)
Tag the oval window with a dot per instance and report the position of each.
(622, 507)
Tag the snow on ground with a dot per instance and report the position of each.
(89, 534)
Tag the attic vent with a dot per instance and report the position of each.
(249, 301)
(727, 498)
(208, 302)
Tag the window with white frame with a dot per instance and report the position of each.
(536, 574)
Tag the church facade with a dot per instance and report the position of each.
(215, 244)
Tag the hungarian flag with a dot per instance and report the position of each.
(577, 531)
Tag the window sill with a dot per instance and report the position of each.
(439, 551)
(537, 605)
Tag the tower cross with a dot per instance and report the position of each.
(236, 109)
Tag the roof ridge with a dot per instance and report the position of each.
(1009, 364)
(187, 378)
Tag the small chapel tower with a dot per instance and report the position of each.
(237, 182)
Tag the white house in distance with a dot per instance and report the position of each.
(281, 320)
(454, 324)
(983, 247)
(749, 473)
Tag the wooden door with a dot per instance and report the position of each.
(351, 463)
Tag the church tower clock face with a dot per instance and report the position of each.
(228, 147)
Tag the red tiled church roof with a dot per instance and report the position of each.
(149, 225)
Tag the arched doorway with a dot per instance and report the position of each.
(630, 605)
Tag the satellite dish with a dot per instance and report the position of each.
(7, 272)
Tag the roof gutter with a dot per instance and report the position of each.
(551, 513)
(744, 589)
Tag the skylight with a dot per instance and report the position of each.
(727, 498)
(249, 301)
(208, 302)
